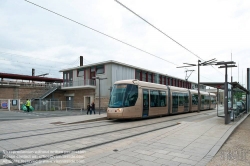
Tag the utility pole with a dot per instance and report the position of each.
(226, 65)
(206, 63)
(199, 96)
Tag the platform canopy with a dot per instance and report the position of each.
(220, 85)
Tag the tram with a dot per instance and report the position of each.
(139, 99)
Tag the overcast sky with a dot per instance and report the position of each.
(32, 37)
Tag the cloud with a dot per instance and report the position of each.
(211, 29)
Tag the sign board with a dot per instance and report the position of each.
(14, 102)
(220, 86)
(4, 104)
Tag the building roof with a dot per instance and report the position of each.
(27, 77)
(119, 63)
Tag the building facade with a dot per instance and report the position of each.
(81, 84)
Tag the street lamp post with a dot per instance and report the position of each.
(98, 78)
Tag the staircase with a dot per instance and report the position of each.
(41, 94)
(48, 92)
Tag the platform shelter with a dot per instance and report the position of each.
(233, 107)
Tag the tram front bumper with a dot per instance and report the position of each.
(114, 113)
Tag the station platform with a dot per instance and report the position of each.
(34, 123)
(191, 142)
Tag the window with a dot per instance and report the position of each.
(181, 99)
(160, 79)
(164, 80)
(213, 101)
(100, 69)
(92, 72)
(163, 98)
(154, 98)
(131, 95)
(143, 76)
(123, 95)
(80, 72)
(194, 99)
(65, 76)
(174, 102)
(158, 98)
(149, 77)
(68, 78)
(137, 74)
(155, 78)
(206, 99)
(202, 99)
(186, 102)
(92, 69)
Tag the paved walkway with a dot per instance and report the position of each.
(236, 150)
(192, 142)
(25, 124)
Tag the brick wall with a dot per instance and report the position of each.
(26, 92)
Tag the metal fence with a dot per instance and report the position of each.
(56, 105)
(79, 83)
(30, 84)
(52, 105)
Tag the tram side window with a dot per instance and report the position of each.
(186, 99)
(154, 98)
(202, 99)
(194, 99)
(213, 100)
(162, 98)
(174, 102)
(131, 95)
(181, 99)
(206, 99)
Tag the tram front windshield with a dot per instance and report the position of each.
(123, 95)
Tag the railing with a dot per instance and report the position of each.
(30, 84)
(79, 83)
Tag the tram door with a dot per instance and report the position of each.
(145, 103)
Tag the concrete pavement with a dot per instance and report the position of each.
(192, 142)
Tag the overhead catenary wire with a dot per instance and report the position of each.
(101, 33)
(163, 32)
(159, 30)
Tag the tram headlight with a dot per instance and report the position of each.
(119, 110)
